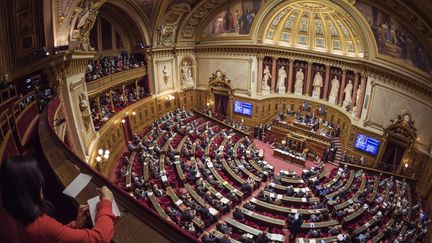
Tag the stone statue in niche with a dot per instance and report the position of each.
(85, 112)
(317, 84)
(334, 90)
(87, 18)
(165, 75)
(298, 86)
(348, 89)
(83, 103)
(282, 75)
(266, 78)
(167, 34)
(186, 75)
(357, 99)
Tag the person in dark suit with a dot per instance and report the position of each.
(205, 213)
(295, 227)
(238, 214)
(207, 238)
(262, 238)
(223, 228)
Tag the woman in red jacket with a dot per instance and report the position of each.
(21, 185)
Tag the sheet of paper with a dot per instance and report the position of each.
(77, 185)
(340, 237)
(92, 203)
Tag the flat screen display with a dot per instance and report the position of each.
(367, 144)
(242, 108)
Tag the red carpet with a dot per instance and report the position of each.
(283, 165)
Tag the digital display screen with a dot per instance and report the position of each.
(367, 144)
(242, 108)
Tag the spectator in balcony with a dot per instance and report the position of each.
(21, 184)
(108, 65)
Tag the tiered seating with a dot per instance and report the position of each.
(192, 171)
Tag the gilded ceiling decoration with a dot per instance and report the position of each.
(316, 26)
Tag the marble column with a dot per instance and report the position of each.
(290, 75)
(111, 100)
(150, 78)
(98, 104)
(354, 95)
(309, 79)
(273, 73)
(259, 74)
(137, 89)
(326, 82)
(342, 87)
(362, 96)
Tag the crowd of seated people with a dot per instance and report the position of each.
(108, 65)
(209, 168)
(328, 129)
(120, 100)
(237, 125)
(207, 153)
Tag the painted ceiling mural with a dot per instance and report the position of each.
(237, 19)
(393, 40)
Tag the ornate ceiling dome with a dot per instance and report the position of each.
(317, 26)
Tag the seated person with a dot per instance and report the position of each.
(315, 233)
(223, 228)
(205, 213)
(238, 214)
(262, 238)
(158, 192)
(187, 214)
(207, 238)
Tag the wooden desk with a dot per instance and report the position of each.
(317, 240)
(332, 181)
(372, 196)
(285, 210)
(245, 228)
(380, 235)
(195, 195)
(179, 203)
(179, 170)
(353, 198)
(157, 206)
(218, 234)
(291, 181)
(262, 218)
(288, 157)
(129, 170)
(281, 188)
(300, 200)
(247, 172)
(354, 215)
(345, 187)
(237, 179)
(224, 182)
(319, 225)
(146, 175)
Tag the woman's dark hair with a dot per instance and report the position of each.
(21, 183)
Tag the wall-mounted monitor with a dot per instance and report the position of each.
(367, 144)
(243, 108)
